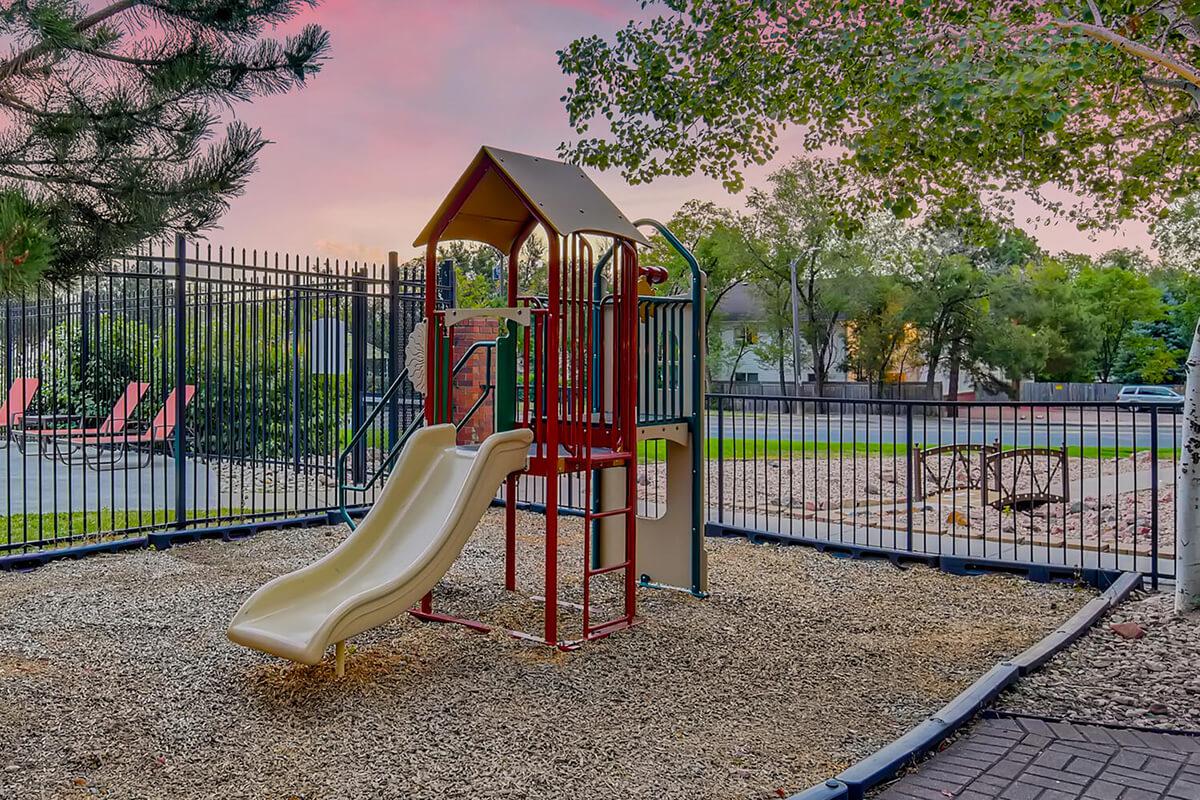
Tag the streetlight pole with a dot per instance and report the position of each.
(795, 328)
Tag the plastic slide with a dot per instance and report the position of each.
(420, 523)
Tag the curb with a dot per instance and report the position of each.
(886, 762)
(831, 789)
(955, 565)
(163, 540)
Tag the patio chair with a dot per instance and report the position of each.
(12, 412)
(114, 423)
(114, 451)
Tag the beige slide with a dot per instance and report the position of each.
(420, 523)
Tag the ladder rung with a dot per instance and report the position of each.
(603, 626)
(612, 512)
(610, 568)
(606, 457)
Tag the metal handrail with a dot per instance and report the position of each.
(416, 424)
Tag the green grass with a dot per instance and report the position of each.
(731, 448)
(20, 528)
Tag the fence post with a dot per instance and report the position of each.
(720, 458)
(294, 332)
(908, 472)
(394, 359)
(180, 381)
(358, 372)
(84, 349)
(447, 283)
(1154, 524)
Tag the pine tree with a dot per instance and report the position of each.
(112, 118)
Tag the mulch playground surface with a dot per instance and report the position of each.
(117, 681)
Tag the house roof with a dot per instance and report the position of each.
(518, 189)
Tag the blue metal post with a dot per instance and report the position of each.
(1154, 524)
(294, 332)
(908, 472)
(358, 373)
(394, 356)
(180, 381)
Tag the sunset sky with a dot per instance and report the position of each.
(363, 156)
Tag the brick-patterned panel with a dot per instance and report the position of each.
(1029, 759)
(472, 376)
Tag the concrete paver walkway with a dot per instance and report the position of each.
(1028, 759)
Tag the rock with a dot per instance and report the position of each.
(1124, 700)
(1127, 630)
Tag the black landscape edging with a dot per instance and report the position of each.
(955, 565)
(888, 761)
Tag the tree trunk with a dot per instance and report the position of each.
(935, 358)
(955, 359)
(820, 373)
(1187, 532)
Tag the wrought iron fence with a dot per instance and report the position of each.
(1079, 485)
(187, 387)
(280, 359)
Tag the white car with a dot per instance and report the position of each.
(1146, 396)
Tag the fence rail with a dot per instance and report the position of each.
(1084, 485)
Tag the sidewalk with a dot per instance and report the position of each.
(1023, 758)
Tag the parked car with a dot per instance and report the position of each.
(1146, 396)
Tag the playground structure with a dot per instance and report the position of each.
(583, 375)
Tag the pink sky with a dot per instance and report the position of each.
(365, 153)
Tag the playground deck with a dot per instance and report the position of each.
(116, 677)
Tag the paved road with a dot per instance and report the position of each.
(30, 484)
(1127, 431)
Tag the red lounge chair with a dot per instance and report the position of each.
(20, 395)
(114, 423)
(114, 449)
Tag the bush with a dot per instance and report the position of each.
(86, 381)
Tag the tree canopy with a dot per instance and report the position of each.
(929, 99)
(111, 118)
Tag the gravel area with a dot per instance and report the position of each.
(1149, 681)
(116, 679)
(1105, 514)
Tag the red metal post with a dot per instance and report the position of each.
(554, 292)
(630, 274)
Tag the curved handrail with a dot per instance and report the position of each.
(697, 416)
(394, 451)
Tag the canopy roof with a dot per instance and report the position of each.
(516, 190)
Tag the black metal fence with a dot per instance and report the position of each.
(268, 360)
(272, 361)
(1079, 485)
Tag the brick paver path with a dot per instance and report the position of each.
(1028, 759)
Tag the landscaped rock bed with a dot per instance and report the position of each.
(116, 679)
(1110, 511)
(1142, 673)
